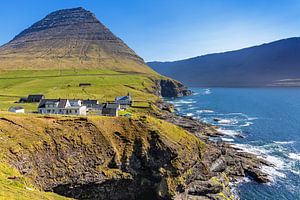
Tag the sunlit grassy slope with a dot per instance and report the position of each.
(105, 85)
(13, 186)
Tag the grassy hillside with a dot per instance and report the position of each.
(106, 84)
(14, 186)
(60, 151)
(23, 62)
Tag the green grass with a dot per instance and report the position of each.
(106, 84)
(141, 104)
(13, 186)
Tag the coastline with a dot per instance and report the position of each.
(226, 163)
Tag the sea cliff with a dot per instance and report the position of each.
(158, 155)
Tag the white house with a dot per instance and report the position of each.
(16, 109)
(124, 101)
(61, 106)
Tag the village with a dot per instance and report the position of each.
(75, 106)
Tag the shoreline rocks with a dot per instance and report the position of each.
(220, 159)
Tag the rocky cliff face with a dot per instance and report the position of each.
(120, 158)
(172, 88)
(101, 158)
(70, 38)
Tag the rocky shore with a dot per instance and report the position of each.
(222, 162)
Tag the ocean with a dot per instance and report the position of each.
(269, 121)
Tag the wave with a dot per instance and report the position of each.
(225, 121)
(205, 111)
(227, 139)
(246, 124)
(294, 156)
(282, 163)
(279, 163)
(252, 118)
(228, 132)
(284, 142)
(182, 102)
(189, 114)
(238, 114)
(206, 91)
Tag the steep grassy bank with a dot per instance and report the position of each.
(98, 157)
(14, 186)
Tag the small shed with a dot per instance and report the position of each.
(85, 84)
(16, 109)
(23, 100)
(35, 98)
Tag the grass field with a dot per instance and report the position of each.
(105, 85)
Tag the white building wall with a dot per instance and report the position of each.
(17, 111)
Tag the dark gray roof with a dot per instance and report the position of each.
(90, 102)
(43, 102)
(111, 105)
(123, 98)
(61, 102)
(35, 96)
(16, 107)
(23, 99)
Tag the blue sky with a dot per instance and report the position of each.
(171, 29)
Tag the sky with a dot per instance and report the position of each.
(167, 30)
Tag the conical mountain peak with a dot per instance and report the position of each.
(69, 38)
(61, 18)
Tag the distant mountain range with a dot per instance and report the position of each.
(70, 39)
(272, 64)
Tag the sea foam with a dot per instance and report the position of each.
(284, 142)
(205, 111)
(294, 156)
(227, 139)
(228, 132)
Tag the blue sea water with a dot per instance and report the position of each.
(269, 120)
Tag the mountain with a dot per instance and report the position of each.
(68, 39)
(272, 64)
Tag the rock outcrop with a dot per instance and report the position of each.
(172, 88)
